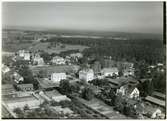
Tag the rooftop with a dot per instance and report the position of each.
(114, 69)
(155, 101)
(158, 94)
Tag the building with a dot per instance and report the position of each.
(25, 87)
(27, 56)
(152, 112)
(76, 55)
(38, 60)
(58, 60)
(20, 102)
(96, 67)
(86, 74)
(21, 53)
(155, 101)
(17, 77)
(57, 77)
(128, 72)
(24, 54)
(5, 69)
(129, 91)
(109, 71)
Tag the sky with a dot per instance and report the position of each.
(140, 17)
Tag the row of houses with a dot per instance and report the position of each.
(38, 60)
(126, 67)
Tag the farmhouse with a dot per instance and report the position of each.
(5, 69)
(17, 77)
(129, 91)
(38, 60)
(86, 74)
(109, 71)
(58, 60)
(57, 77)
(76, 55)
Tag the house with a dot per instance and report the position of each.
(108, 63)
(58, 60)
(5, 69)
(20, 102)
(152, 112)
(21, 53)
(109, 71)
(17, 77)
(86, 74)
(76, 55)
(128, 72)
(27, 56)
(129, 91)
(57, 77)
(38, 60)
(24, 54)
(25, 87)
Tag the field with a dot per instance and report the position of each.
(34, 46)
(54, 69)
(57, 49)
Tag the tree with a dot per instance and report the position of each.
(87, 93)
(19, 112)
(46, 57)
(26, 107)
(65, 87)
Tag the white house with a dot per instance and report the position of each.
(129, 91)
(57, 77)
(128, 72)
(5, 69)
(76, 55)
(86, 74)
(17, 77)
(58, 60)
(21, 53)
(27, 56)
(38, 60)
(109, 71)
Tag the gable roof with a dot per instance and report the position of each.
(155, 101)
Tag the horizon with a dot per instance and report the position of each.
(126, 17)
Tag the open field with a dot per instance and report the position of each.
(57, 49)
(54, 69)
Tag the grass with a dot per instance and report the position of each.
(57, 49)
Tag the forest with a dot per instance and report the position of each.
(151, 51)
